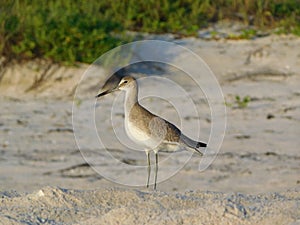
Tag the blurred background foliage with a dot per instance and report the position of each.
(72, 31)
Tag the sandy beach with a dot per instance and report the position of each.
(46, 179)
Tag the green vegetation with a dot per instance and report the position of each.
(59, 30)
(239, 102)
(71, 30)
(242, 103)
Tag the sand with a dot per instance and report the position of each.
(254, 179)
(120, 206)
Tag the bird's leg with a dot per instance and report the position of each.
(149, 166)
(156, 169)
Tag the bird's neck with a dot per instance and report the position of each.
(131, 98)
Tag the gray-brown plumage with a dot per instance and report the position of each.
(148, 129)
(160, 128)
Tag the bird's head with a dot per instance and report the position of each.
(124, 84)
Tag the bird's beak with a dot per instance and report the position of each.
(102, 94)
(105, 93)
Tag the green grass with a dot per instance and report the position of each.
(242, 103)
(239, 102)
(72, 31)
(64, 31)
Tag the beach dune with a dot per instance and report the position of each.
(53, 205)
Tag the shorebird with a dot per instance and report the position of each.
(148, 129)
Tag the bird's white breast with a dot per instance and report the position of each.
(135, 133)
(140, 136)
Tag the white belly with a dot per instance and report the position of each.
(135, 133)
(140, 136)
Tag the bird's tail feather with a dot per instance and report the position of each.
(195, 145)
